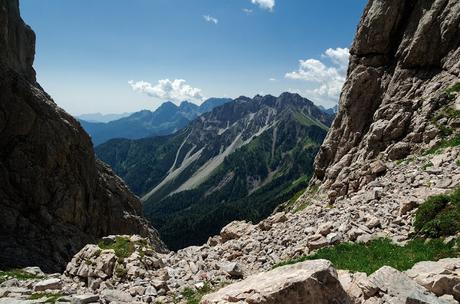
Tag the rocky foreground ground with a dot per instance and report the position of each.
(126, 269)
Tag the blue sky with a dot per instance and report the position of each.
(88, 51)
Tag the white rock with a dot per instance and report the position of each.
(312, 281)
(50, 284)
(85, 298)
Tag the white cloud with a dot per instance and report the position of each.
(247, 11)
(327, 80)
(273, 79)
(211, 19)
(175, 90)
(265, 4)
(339, 56)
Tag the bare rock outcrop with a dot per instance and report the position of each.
(404, 57)
(307, 282)
(55, 196)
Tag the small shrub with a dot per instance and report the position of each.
(458, 162)
(194, 296)
(452, 90)
(439, 215)
(445, 131)
(445, 143)
(121, 271)
(122, 246)
(427, 165)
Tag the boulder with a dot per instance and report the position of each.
(113, 295)
(400, 288)
(439, 277)
(235, 230)
(85, 299)
(36, 271)
(333, 238)
(267, 224)
(50, 284)
(233, 269)
(406, 205)
(372, 222)
(317, 243)
(325, 228)
(418, 297)
(313, 282)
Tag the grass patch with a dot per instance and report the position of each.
(295, 197)
(439, 215)
(50, 297)
(427, 165)
(445, 143)
(122, 246)
(452, 90)
(310, 192)
(458, 162)
(16, 274)
(193, 296)
(371, 256)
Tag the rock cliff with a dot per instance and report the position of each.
(55, 196)
(404, 57)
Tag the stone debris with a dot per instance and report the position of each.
(243, 249)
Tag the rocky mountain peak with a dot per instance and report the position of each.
(17, 40)
(404, 57)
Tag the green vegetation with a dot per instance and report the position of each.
(406, 160)
(308, 121)
(16, 274)
(427, 165)
(445, 143)
(439, 215)
(371, 256)
(142, 163)
(450, 137)
(310, 192)
(121, 271)
(50, 297)
(295, 197)
(248, 185)
(122, 246)
(272, 168)
(194, 296)
(458, 162)
(452, 90)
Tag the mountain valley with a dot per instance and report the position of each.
(239, 161)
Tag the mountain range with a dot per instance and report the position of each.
(100, 117)
(167, 119)
(239, 161)
(331, 111)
